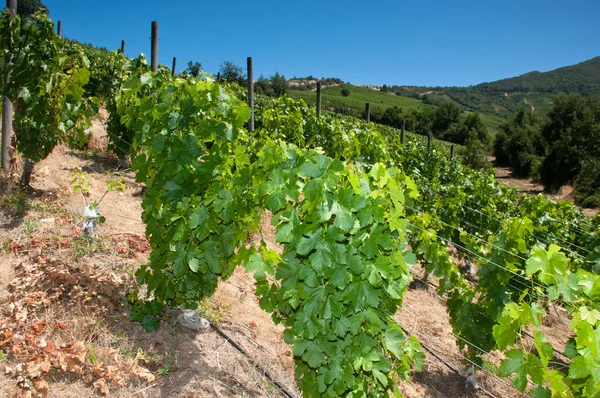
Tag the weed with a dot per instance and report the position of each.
(84, 246)
(13, 203)
(92, 355)
(210, 310)
(171, 359)
(164, 370)
(490, 367)
(29, 229)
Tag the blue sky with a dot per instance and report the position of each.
(404, 42)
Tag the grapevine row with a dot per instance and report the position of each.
(354, 210)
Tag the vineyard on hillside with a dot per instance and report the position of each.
(354, 211)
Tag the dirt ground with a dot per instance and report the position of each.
(64, 307)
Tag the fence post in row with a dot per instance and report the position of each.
(403, 136)
(218, 77)
(123, 47)
(429, 144)
(452, 151)
(368, 111)
(318, 99)
(59, 29)
(250, 95)
(7, 106)
(174, 66)
(154, 51)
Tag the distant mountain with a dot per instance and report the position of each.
(503, 97)
(583, 78)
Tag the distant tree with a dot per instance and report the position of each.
(275, 86)
(279, 84)
(572, 137)
(587, 184)
(392, 116)
(232, 73)
(444, 116)
(194, 68)
(28, 7)
(263, 86)
(475, 152)
(520, 144)
(345, 92)
(384, 89)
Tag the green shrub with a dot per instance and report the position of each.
(587, 184)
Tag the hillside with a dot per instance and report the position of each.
(357, 98)
(495, 101)
(583, 78)
(354, 103)
(503, 97)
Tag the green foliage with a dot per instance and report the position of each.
(30, 7)
(444, 116)
(147, 313)
(521, 145)
(47, 80)
(194, 68)
(120, 136)
(345, 92)
(185, 158)
(572, 135)
(205, 195)
(232, 73)
(342, 274)
(279, 84)
(587, 184)
(475, 152)
(274, 86)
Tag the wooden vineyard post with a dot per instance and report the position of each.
(318, 99)
(452, 151)
(429, 144)
(59, 29)
(250, 95)
(368, 112)
(7, 106)
(123, 47)
(403, 136)
(174, 66)
(218, 77)
(154, 51)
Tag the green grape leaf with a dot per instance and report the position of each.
(198, 217)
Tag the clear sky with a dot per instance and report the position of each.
(403, 42)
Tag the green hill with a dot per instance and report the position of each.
(354, 102)
(583, 78)
(504, 97)
(332, 97)
(495, 101)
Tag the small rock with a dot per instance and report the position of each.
(47, 220)
(191, 320)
